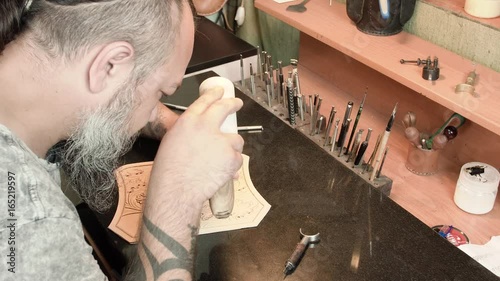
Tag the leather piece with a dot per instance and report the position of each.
(208, 7)
(366, 15)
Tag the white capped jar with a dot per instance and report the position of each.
(477, 188)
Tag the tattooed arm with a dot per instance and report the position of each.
(194, 159)
(165, 120)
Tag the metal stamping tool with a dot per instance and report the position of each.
(355, 124)
(280, 81)
(362, 149)
(313, 113)
(269, 61)
(306, 242)
(335, 131)
(294, 63)
(300, 103)
(259, 63)
(252, 80)
(291, 109)
(242, 72)
(268, 88)
(345, 127)
(316, 115)
(321, 124)
(256, 128)
(264, 64)
(355, 146)
(329, 126)
(271, 78)
(285, 95)
(311, 105)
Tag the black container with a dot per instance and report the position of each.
(380, 17)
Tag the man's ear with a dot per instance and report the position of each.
(111, 62)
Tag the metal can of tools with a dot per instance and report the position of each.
(477, 188)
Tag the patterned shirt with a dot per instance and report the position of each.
(41, 236)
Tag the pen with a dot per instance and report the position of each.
(383, 143)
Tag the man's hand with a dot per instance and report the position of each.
(195, 157)
(193, 161)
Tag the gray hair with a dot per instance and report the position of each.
(68, 28)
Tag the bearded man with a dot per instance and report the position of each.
(91, 72)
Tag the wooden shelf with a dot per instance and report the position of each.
(330, 25)
(429, 198)
(330, 41)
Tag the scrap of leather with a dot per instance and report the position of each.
(132, 183)
(208, 7)
(366, 15)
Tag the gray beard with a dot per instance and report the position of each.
(92, 153)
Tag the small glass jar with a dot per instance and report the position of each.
(477, 188)
(423, 162)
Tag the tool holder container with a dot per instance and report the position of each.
(382, 183)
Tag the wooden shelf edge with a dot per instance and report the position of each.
(331, 26)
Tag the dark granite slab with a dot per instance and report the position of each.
(364, 234)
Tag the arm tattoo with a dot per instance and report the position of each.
(183, 260)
